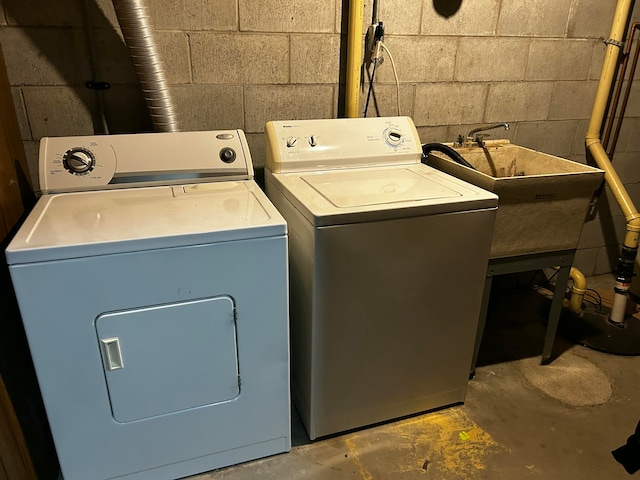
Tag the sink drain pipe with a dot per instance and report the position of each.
(135, 24)
(578, 289)
(624, 268)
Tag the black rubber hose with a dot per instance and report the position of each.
(427, 148)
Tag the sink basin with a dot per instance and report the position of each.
(543, 198)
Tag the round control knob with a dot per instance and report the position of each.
(291, 142)
(393, 137)
(78, 160)
(313, 140)
(227, 155)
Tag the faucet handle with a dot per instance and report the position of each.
(480, 138)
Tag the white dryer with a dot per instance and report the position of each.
(156, 314)
(387, 265)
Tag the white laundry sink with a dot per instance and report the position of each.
(543, 198)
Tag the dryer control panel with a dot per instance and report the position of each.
(70, 164)
(300, 145)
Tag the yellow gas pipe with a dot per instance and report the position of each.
(593, 144)
(354, 57)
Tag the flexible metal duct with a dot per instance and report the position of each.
(138, 35)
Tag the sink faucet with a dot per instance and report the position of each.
(479, 138)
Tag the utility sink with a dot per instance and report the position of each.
(544, 199)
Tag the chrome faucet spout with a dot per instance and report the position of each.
(484, 128)
(474, 136)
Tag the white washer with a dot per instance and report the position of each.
(157, 317)
(387, 265)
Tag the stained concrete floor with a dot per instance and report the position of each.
(520, 420)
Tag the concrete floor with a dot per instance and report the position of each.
(520, 420)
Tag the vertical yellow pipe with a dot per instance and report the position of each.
(354, 57)
(607, 76)
(624, 270)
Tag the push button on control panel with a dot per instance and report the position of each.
(227, 155)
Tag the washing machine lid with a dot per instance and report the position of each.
(81, 224)
(376, 193)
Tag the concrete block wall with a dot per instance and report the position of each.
(240, 63)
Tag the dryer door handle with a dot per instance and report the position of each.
(111, 353)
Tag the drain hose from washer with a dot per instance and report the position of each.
(136, 29)
(427, 148)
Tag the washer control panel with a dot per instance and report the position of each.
(300, 145)
(68, 164)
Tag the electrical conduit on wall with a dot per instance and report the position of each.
(138, 35)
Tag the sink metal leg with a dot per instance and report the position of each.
(484, 307)
(554, 313)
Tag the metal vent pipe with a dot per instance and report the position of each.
(136, 28)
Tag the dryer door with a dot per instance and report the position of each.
(167, 358)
